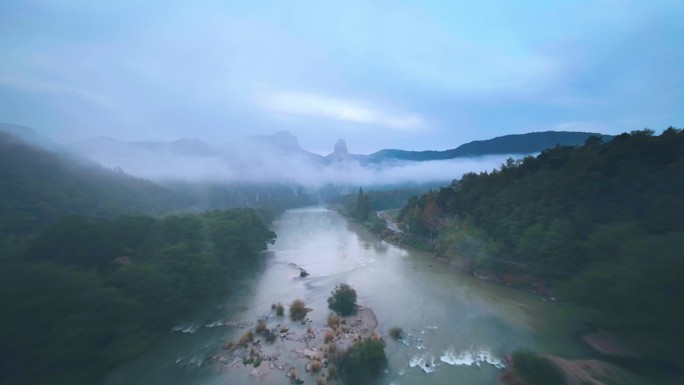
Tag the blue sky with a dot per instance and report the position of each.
(380, 74)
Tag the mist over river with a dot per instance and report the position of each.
(458, 328)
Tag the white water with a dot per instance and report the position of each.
(472, 357)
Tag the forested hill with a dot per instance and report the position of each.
(529, 143)
(88, 295)
(42, 183)
(38, 186)
(603, 223)
(86, 281)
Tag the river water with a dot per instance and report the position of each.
(458, 328)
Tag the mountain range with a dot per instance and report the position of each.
(284, 143)
(529, 143)
(280, 159)
(45, 180)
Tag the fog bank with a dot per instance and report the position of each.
(255, 161)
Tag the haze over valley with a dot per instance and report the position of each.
(358, 193)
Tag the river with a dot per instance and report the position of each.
(459, 328)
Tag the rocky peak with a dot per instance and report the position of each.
(341, 149)
(340, 152)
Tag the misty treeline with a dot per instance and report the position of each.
(602, 223)
(378, 199)
(95, 264)
(365, 204)
(88, 294)
(39, 186)
(362, 208)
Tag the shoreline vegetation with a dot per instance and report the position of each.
(108, 289)
(574, 371)
(600, 225)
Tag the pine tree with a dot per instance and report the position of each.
(363, 207)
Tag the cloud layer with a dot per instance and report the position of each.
(319, 106)
(427, 75)
(252, 161)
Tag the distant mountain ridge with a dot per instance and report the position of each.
(278, 158)
(284, 143)
(42, 183)
(529, 143)
(103, 148)
(184, 146)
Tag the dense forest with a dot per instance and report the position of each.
(602, 223)
(376, 200)
(88, 294)
(96, 264)
(40, 186)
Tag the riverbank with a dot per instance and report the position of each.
(577, 372)
(518, 280)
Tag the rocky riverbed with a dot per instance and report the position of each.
(273, 347)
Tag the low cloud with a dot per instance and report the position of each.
(253, 162)
(320, 106)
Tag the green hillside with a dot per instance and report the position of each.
(94, 269)
(603, 224)
(88, 295)
(39, 186)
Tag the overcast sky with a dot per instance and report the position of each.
(380, 74)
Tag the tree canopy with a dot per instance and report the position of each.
(88, 294)
(603, 223)
(343, 299)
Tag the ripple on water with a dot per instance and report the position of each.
(191, 328)
(193, 362)
(214, 324)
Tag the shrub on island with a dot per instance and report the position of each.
(261, 327)
(246, 339)
(343, 300)
(363, 361)
(297, 310)
(397, 333)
